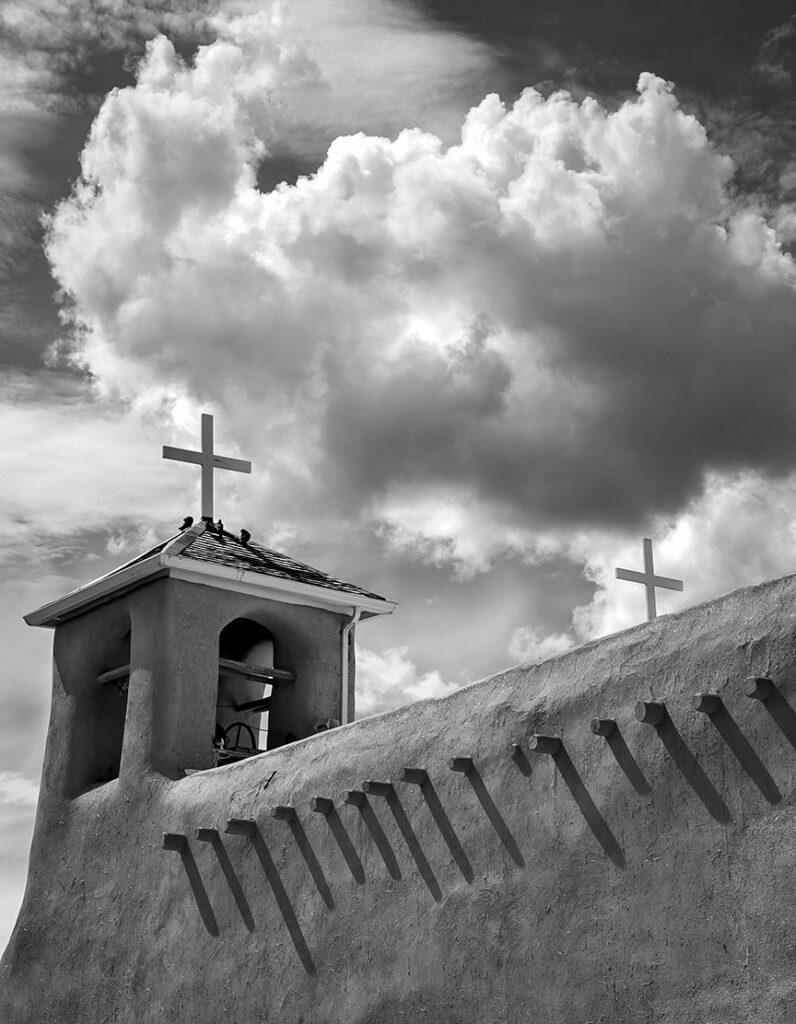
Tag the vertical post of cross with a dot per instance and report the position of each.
(207, 466)
(649, 568)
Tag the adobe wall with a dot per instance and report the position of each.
(645, 879)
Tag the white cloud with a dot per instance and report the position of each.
(529, 645)
(373, 65)
(16, 789)
(15, 836)
(355, 65)
(391, 679)
(448, 526)
(740, 531)
(28, 83)
(77, 470)
(24, 681)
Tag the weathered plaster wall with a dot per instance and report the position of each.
(562, 896)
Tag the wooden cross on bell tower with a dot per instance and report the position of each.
(209, 461)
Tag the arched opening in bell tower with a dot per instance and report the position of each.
(245, 682)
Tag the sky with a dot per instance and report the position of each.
(487, 293)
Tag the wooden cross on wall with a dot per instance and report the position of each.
(649, 579)
(209, 461)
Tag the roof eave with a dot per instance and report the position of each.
(93, 593)
(164, 563)
(260, 585)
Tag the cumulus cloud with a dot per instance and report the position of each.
(561, 330)
(563, 315)
(391, 679)
(348, 65)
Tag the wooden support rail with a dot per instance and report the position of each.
(242, 668)
(225, 665)
(254, 705)
(113, 675)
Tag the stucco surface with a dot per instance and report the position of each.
(552, 889)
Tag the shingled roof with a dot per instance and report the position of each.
(223, 548)
(216, 556)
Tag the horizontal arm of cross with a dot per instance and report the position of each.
(239, 465)
(198, 459)
(665, 582)
(182, 455)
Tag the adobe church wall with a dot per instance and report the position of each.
(644, 883)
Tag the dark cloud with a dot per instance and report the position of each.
(734, 71)
(605, 44)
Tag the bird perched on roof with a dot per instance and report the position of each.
(188, 521)
(245, 536)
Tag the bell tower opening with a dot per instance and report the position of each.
(94, 668)
(244, 694)
(111, 710)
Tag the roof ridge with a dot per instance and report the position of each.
(254, 546)
(184, 539)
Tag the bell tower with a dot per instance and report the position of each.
(205, 650)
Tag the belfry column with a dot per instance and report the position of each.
(173, 681)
